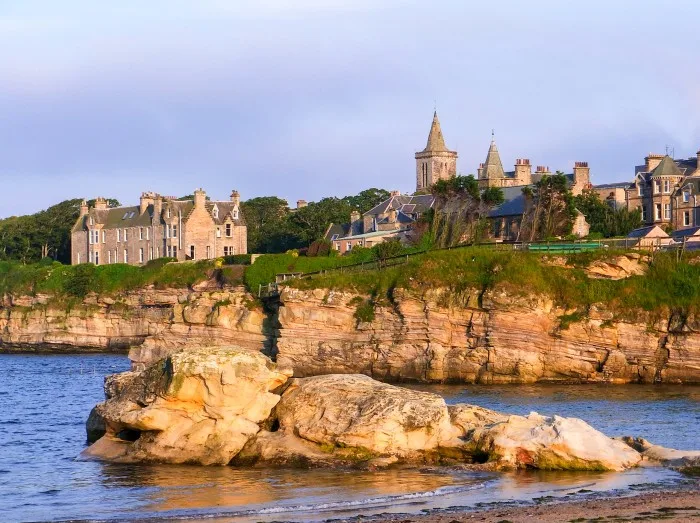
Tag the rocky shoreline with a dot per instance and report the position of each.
(228, 405)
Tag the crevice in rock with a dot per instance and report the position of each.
(130, 435)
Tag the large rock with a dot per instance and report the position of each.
(197, 406)
(618, 268)
(552, 443)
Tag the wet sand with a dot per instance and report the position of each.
(681, 505)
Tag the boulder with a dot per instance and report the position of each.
(197, 406)
(618, 268)
(552, 443)
(672, 457)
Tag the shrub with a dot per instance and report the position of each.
(237, 259)
(365, 311)
(80, 280)
(388, 249)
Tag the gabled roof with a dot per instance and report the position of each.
(226, 209)
(493, 168)
(667, 167)
(436, 143)
(643, 232)
(684, 233)
(404, 203)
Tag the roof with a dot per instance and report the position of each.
(512, 207)
(667, 167)
(493, 168)
(436, 143)
(643, 232)
(404, 203)
(339, 229)
(684, 233)
(615, 185)
(225, 209)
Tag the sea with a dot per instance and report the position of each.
(45, 400)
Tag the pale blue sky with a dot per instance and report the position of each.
(310, 98)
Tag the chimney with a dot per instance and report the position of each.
(698, 153)
(200, 198)
(395, 193)
(145, 200)
(301, 204)
(582, 177)
(355, 222)
(157, 207)
(480, 170)
(100, 203)
(652, 161)
(235, 197)
(523, 171)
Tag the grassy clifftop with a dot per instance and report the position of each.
(667, 284)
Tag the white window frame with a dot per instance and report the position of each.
(657, 211)
(126, 256)
(141, 255)
(125, 235)
(109, 257)
(229, 230)
(174, 230)
(686, 196)
(667, 211)
(140, 233)
(644, 213)
(667, 186)
(119, 235)
(686, 218)
(104, 236)
(148, 233)
(657, 186)
(218, 232)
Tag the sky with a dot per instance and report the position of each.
(310, 98)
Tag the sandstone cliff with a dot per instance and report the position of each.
(480, 337)
(430, 336)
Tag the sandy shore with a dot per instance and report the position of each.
(683, 505)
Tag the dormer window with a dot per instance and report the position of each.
(92, 220)
(215, 212)
(686, 196)
(168, 212)
(235, 214)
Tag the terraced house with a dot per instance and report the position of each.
(160, 226)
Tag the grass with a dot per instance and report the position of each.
(79, 280)
(667, 287)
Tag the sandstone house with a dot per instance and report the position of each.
(159, 226)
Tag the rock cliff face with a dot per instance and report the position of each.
(436, 336)
(150, 322)
(476, 337)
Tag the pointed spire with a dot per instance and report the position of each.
(493, 168)
(436, 142)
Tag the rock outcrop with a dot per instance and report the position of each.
(481, 337)
(200, 406)
(229, 405)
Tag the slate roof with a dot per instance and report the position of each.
(615, 185)
(642, 232)
(404, 203)
(684, 233)
(667, 167)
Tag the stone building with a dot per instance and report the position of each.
(159, 226)
(392, 219)
(666, 191)
(492, 174)
(436, 161)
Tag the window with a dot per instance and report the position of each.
(174, 230)
(104, 236)
(657, 211)
(667, 186)
(148, 233)
(174, 252)
(97, 258)
(124, 234)
(235, 214)
(90, 237)
(657, 186)
(140, 233)
(126, 256)
(228, 230)
(192, 253)
(79, 258)
(337, 246)
(644, 213)
(150, 253)
(119, 235)
(90, 256)
(686, 218)
(92, 221)
(215, 212)
(225, 251)
(208, 252)
(167, 230)
(334, 237)
(141, 255)
(109, 257)
(218, 232)
(126, 215)
(667, 211)
(168, 213)
(349, 246)
(686, 196)
(157, 252)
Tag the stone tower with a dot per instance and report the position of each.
(491, 173)
(436, 161)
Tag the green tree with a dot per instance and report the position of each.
(605, 220)
(549, 210)
(367, 199)
(311, 221)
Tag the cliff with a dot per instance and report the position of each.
(151, 322)
(429, 335)
(479, 337)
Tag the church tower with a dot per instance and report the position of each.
(436, 161)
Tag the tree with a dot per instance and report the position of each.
(605, 220)
(111, 203)
(367, 199)
(549, 209)
(311, 222)
(268, 231)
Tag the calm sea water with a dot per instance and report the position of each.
(44, 401)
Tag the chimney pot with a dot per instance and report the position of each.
(301, 204)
